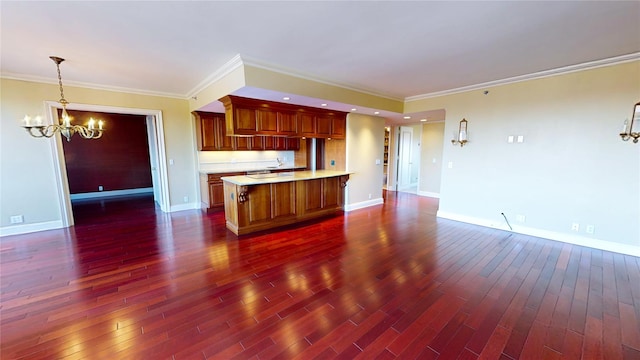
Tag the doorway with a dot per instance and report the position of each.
(405, 161)
(156, 152)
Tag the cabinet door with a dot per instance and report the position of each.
(283, 199)
(216, 194)
(293, 143)
(258, 206)
(241, 143)
(331, 192)
(244, 121)
(312, 195)
(267, 122)
(222, 141)
(206, 133)
(323, 126)
(306, 124)
(287, 123)
(338, 127)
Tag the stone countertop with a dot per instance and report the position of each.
(249, 169)
(270, 178)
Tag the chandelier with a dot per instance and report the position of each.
(627, 128)
(37, 129)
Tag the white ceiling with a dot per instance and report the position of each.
(395, 49)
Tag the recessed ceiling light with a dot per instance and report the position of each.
(376, 113)
(354, 109)
(286, 98)
(323, 104)
(423, 120)
(407, 117)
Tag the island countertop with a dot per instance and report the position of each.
(269, 178)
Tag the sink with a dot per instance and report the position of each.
(262, 176)
(289, 173)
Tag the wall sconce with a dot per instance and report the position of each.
(627, 129)
(462, 134)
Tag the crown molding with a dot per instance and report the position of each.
(305, 76)
(223, 71)
(43, 80)
(537, 75)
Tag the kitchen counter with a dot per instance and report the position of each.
(258, 202)
(269, 178)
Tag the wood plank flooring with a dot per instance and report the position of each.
(392, 281)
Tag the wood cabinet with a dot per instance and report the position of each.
(322, 194)
(211, 135)
(211, 132)
(251, 208)
(261, 117)
(212, 191)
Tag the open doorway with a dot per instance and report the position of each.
(156, 153)
(408, 160)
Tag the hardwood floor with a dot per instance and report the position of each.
(392, 281)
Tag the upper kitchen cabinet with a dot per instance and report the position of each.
(211, 132)
(322, 125)
(261, 117)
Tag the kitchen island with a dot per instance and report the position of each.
(265, 201)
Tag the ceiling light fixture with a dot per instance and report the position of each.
(407, 117)
(323, 104)
(354, 109)
(423, 120)
(286, 98)
(376, 113)
(64, 126)
(627, 129)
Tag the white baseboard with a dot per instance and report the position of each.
(183, 207)
(546, 234)
(111, 193)
(429, 194)
(363, 204)
(29, 228)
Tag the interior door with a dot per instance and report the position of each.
(153, 158)
(404, 158)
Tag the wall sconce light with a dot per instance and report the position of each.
(462, 134)
(627, 129)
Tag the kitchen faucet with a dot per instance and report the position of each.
(280, 163)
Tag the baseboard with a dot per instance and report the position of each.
(429, 194)
(111, 193)
(29, 228)
(546, 234)
(363, 204)
(183, 207)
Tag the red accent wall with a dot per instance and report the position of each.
(119, 160)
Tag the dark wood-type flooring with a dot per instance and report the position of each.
(392, 281)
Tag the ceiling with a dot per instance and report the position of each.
(394, 49)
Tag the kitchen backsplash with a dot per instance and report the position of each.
(243, 160)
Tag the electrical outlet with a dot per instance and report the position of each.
(100, 188)
(369, 196)
(589, 229)
(450, 165)
(520, 218)
(17, 219)
(575, 227)
(186, 199)
(510, 139)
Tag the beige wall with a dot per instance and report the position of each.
(27, 174)
(432, 143)
(365, 145)
(571, 168)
